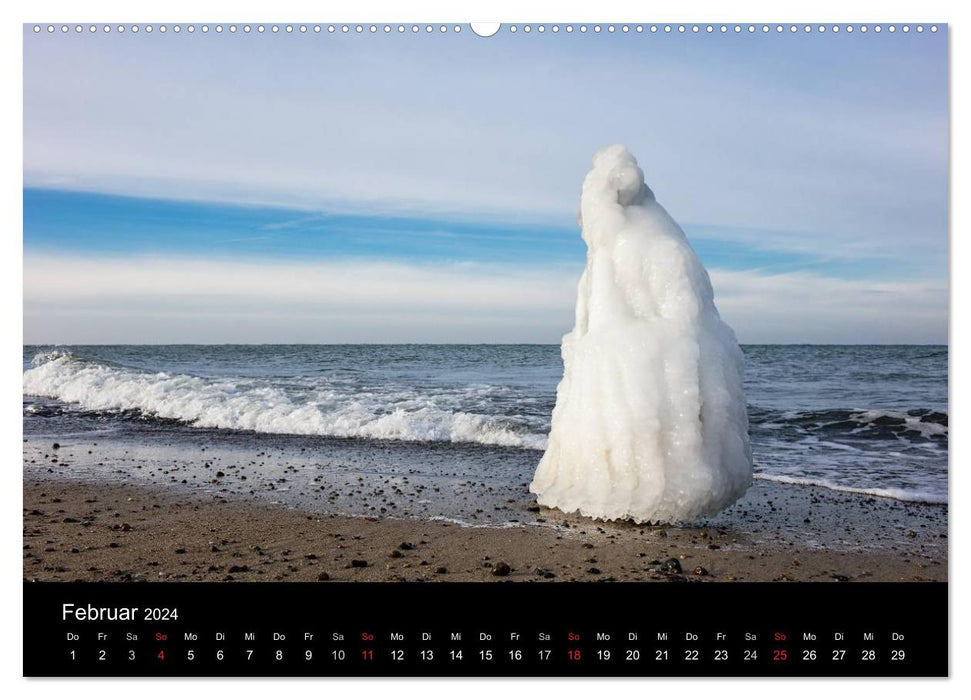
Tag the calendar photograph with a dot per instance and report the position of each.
(548, 303)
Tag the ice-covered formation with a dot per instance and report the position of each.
(650, 420)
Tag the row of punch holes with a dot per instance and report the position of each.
(512, 29)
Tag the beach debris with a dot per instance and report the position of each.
(501, 568)
(323, 576)
(671, 566)
(358, 563)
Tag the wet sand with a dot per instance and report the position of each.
(84, 530)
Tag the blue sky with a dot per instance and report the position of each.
(809, 172)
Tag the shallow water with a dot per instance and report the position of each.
(868, 419)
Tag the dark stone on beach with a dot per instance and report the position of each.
(533, 509)
(220, 474)
(238, 569)
(406, 546)
(587, 545)
(56, 446)
(840, 577)
(323, 576)
(180, 550)
(358, 563)
(125, 527)
(671, 566)
(714, 546)
(700, 571)
(501, 568)
(593, 570)
(395, 554)
(441, 570)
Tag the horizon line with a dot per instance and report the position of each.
(457, 344)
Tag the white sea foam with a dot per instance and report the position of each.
(650, 420)
(247, 405)
(897, 494)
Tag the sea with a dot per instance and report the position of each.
(867, 419)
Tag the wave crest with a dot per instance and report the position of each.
(875, 424)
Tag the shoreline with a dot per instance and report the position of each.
(91, 531)
(466, 485)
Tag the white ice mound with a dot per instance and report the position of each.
(650, 421)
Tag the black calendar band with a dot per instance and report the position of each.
(472, 629)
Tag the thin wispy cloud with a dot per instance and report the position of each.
(68, 298)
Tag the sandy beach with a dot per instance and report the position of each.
(74, 530)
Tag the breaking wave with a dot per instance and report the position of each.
(918, 423)
(248, 404)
